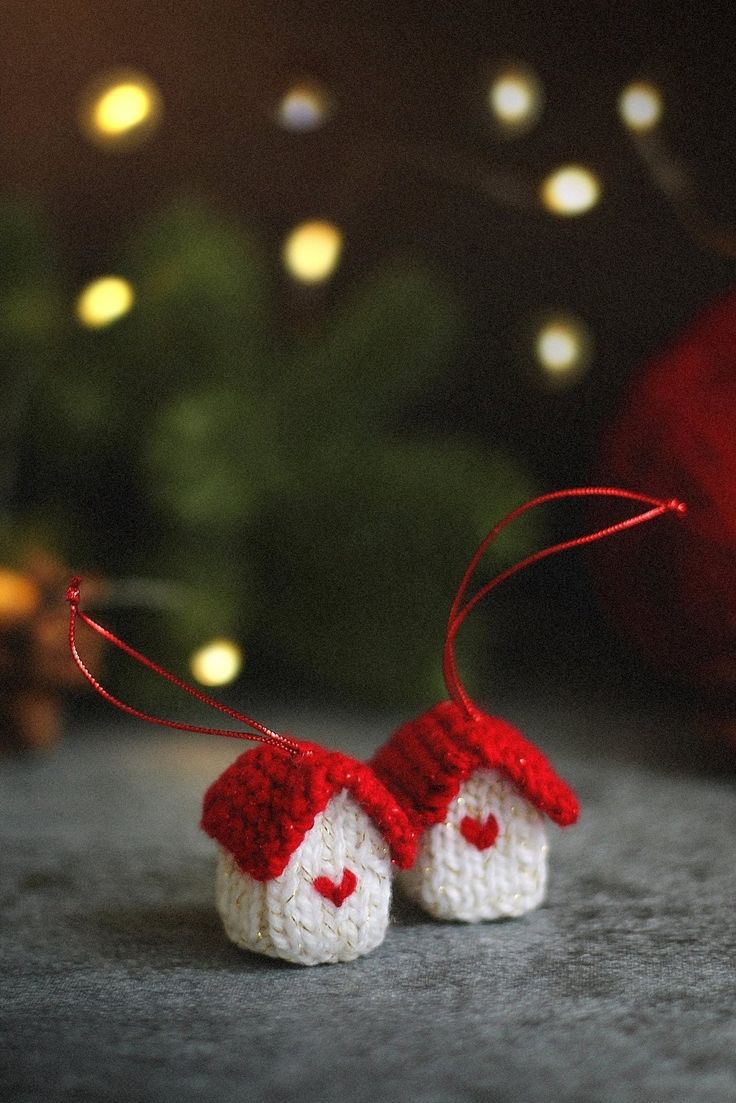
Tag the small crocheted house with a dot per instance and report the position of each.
(306, 847)
(477, 793)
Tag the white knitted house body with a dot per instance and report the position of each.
(287, 917)
(453, 878)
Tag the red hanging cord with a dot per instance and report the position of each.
(458, 611)
(259, 732)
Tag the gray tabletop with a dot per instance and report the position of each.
(118, 983)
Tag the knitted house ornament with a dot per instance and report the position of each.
(475, 790)
(306, 845)
(306, 837)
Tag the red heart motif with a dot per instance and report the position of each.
(338, 894)
(480, 833)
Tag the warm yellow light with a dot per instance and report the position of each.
(558, 347)
(640, 106)
(103, 301)
(562, 347)
(571, 190)
(312, 250)
(120, 109)
(19, 597)
(515, 98)
(123, 107)
(304, 107)
(217, 663)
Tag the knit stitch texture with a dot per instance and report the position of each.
(306, 846)
(263, 804)
(426, 760)
(471, 879)
(476, 790)
(331, 902)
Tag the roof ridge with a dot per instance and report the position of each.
(427, 760)
(262, 806)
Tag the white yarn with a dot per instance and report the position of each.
(453, 879)
(286, 917)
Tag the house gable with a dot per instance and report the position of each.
(427, 760)
(262, 806)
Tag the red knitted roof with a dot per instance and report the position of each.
(264, 804)
(427, 760)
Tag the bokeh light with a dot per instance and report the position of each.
(119, 110)
(570, 190)
(103, 301)
(217, 663)
(640, 106)
(122, 108)
(304, 107)
(562, 347)
(311, 251)
(515, 98)
(19, 597)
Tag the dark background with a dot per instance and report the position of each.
(413, 75)
(408, 166)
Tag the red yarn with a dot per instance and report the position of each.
(677, 427)
(260, 733)
(338, 894)
(459, 612)
(264, 804)
(480, 833)
(426, 761)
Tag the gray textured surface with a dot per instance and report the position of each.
(119, 985)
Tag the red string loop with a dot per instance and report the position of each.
(458, 611)
(258, 733)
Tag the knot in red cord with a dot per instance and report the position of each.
(72, 591)
(676, 506)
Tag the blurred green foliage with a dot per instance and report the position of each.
(267, 467)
